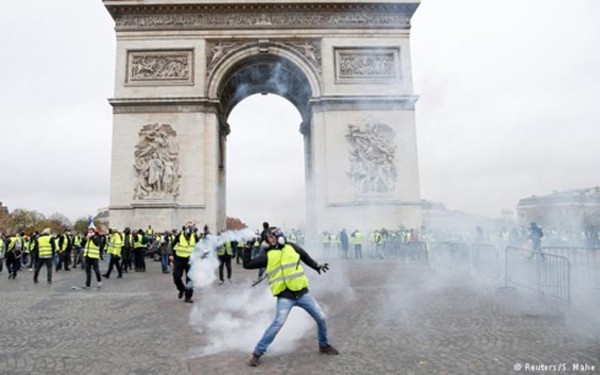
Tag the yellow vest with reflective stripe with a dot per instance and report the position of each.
(358, 238)
(139, 243)
(184, 249)
(44, 247)
(114, 244)
(225, 249)
(91, 250)
(1, 248)
(285, 271)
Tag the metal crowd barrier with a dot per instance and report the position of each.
(546, 273)
(585, 265)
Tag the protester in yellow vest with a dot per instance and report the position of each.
(14, 251)
(44, 248)
(225, 253)
(91, 254)
(183, 247)
(357, 239)
(289, 284)
(115, 242)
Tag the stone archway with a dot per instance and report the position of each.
(183, 66)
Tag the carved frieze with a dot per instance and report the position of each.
(156, 163)
(372, 157)
(265, 16)
(160, 67)
(372, 64)
(310, 49)
(217, 50)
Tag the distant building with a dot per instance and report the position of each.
(566, 209)
(3, 211)
(440, 219)
(102, 217)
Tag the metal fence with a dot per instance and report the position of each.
(546, 273)
(585, 265)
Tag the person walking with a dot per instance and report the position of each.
(183, 247)
(45, 249)
(535, 236)
(290, 286)
(115, 242)
(14, 250)
(126, 250)
(225, 253)
(91, 253)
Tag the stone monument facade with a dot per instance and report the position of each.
(183, 65)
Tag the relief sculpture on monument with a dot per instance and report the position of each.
(157, 163)
(372, 154)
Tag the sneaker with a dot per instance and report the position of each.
(49, 282)
(100, 284)
(85, 287)
(220, 282)
(120, 277)
(180, 295)
(35, 281)
(106, 276)
(188, 300)
(253, 360)
(328, 349)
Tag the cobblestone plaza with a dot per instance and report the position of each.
(384, 318)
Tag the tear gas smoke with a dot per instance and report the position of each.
(204, 258)
(233, 317)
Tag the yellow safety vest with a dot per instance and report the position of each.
(285, 271)
(114, 244)
(184, 248)
(137, 244)
(91, 250)
(26, 246)
(13, 243)
(225, 249)
(44, 247)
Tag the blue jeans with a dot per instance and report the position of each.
(282, 310)
(164, 262)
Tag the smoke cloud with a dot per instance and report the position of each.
(234, 316)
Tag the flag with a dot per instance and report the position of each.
(91, 223)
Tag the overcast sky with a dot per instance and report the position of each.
(509, 107)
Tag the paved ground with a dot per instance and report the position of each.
(384, 318)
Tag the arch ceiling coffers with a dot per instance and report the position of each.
(139, 16)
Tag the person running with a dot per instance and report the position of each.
(183, 247)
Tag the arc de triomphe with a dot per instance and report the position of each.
(183, 65)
